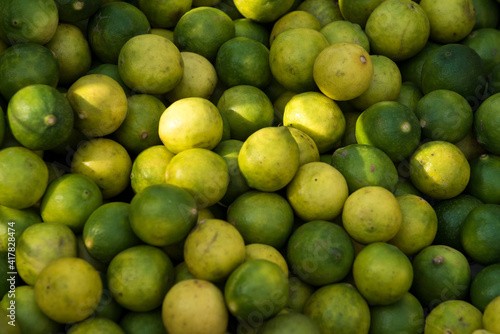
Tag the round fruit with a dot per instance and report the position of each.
(487, 124)
(266, 252)
(345, 31)
(485, 286)
(455, 316)
(490, 316)
(263, 11)
(165, 13)
(149, 167)
(96, 325)
(76, 10)
(308, 150)
(484, 174)
(293, 20)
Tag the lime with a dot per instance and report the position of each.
(320, 253)
(150, 64)
(149, 167)
(213, 249)
(358, 11)
(470, 147)
(325, 11)
(440, 273)
(479, 234)
(192, 122)
(308, 150)
(485, 43)
(485, 286)
(162, 214)
(486, 122)
(292, 56)
(76, 10)
(411, 69)
(409, 95)
(244, 27)
(262, 217)
(490, 316)
(486, 13)
(166, 13)
(96, 325)
(27, 64)
(345, 31)
(343, 71)
(455, 316)
(318, 191)
(256, 289)
(365, 165)
(299, 293)
(442, 181)
(266, 252)
(247, 109)
(263, 11)
(40, 117)
(68, 290)
(292, 20)
(397, 29)
(112, 26)
(349, 314)
(19, 220)
(194, 306)
(139, 277)
(139, 129)
(484, 173)
(111, 70)
(23, 176)
(243, 61)
(203, 30)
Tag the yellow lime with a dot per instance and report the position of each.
(308, 150)
(149, 167)
(266, 252)
(491, 322)
(345, 31)
(263, 11)
(455, 316)
(292, 20)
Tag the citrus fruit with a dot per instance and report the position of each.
(28, 316)
(99, 104)
(418, 227)
(164, 14)
(385, 85)
(263, 11)
(68, 290)
(411, 68)
(480, 232)
(203, 173)
(111, 70)
(398, 135)
(451, 214)
(455, 316)
(149, 167)
(308, 150)
(194, 306)
(39, 245)
(485, 172)
(444, 115)
(27, 64)
(203, 30)
(138, 322)
(440, 273)
(19, 220)
(40, 117)
(69, 200)
(320, 252)
(199, 78)
(382, 273)
(450, 21)
(292, 56)
(139, 277)
(213, 249)
(486, 13)
(139, 129)
(409, 95)
(485, 125)
(256, 290)
(292, 20)
(262, 152)
(325, 11)
(358, 11)
(96, 325)
(162, 214)
(485, 286)
(107, 231)
(404, 316)
(343, 71)
(372, 214)
(442, 181)
(105, 162)
(349, 314)
(262, 217)
(490, 316)
(243, 61)
(112, 26)
(317, 191)
(266, 252)
(455, 67)
(345, 31)
(189, 123)
(317, 116)
(72, 51)
(244, 27)
(150, 64)
(485, 43)
(27, 21)
(229, 150)
(247, 109)
(76, 10)
(365, 165)
(291, 323)
(23, 176)
(397, 29)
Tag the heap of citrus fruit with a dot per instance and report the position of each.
(220, 166)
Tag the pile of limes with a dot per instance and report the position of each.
(220, 166)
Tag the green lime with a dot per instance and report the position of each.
(487, 14)
(485, 286)
(358, 11)
(484, 175)
(486, 124)
(244, 27)
(76, 10)
(409, 95)
(292, 20)
(411, 69)
(299, 293)
(485, 42)
(165, 13)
